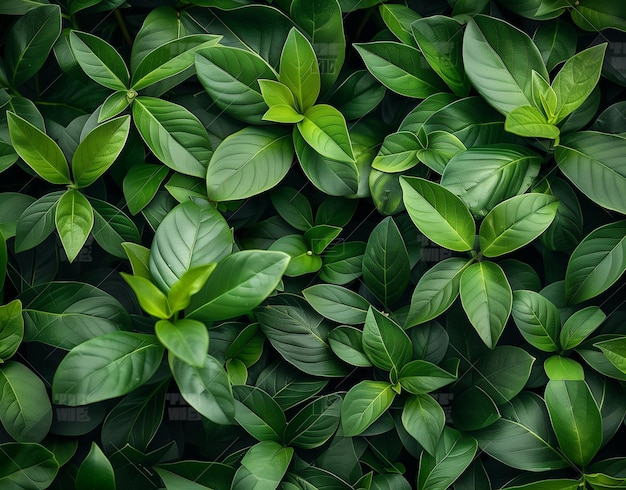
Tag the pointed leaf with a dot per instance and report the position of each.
(99, 60)
(186, 339)
(11, 329)
(537, 319)
(615, 351)
(364, 403)
(424, 419)
(420, 377)
(73, 220)
(299, 70)
(580, 325)
(315, 423)
(337, 303)
(112, 227)
(347, 344)
(324, 129)
(141, 184)
(385, 342)
(27, 466)
(96, 471)
(259, 414)
(398, 152)
(263, 466)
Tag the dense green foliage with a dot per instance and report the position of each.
(312, 244)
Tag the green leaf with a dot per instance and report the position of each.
(263, 466)
(99, 60)
(206, 389)
(563, 368)
(259, 414)
(385, 343)
(615, 351)
(537, 319)
(474, 409)
(139, 257)
(440, 40)
(515, 223)
(106, 367)
(315, 423)
(364, 403)
(324, 129)
(248, 162)
(522, 438)
(112, 227)
(73, 219)
(438, 214)
(191, 235)
(575, 418)
(453, 454)
(293, 206)
(579, 326)
(27, 466)
(30, 41)
(287, 385)
(596, 263)
(173, 134)
(487, 299)
(397, 153)
(172, 481)
(337, 303)
(596, 16)
(401, 68)
(424, 419)
(386, 262)
(299, 70)
(186, 339)
(347, 344)
(592, 162)
(282, 113)
(442, 147)
(239, 283)
(205, 473)
(113, 105)
(98, 150)
(302, 260)
(436, 291)
(141, 184)
(189, 284)
(11, 329)
(499, 59)
(357, 95)
(300, 336)
(25, 410)
(169, 59)
(36, 222)
(556, 41)
(277, 94)
(95, 472)
(530, 122)
(560, 484)
(342, 263)
(38, 150)
(231, 76)
(420, 377)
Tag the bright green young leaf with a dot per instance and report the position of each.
(99, 60)
(95, 472)
(559, 368)
(337, 303)
(397, 153)
(38, 150)
(499, 59)
(25, 410)
(398, 19)
(576, 79)
(189, 284)
(139, 257)
(436, 291)
(27, 466)
(282, 113)
(453, 454)
(324, 129)
(36, 222)
(440, 40)
(537, 319)
(424, 419)
(277, 94)
(302, 260)
(442, 147)
(386, 262)
(580, 325)
(206, 389)
(173, 134)
(263, 466)
(593, 163)
(11, 329)
(186, 339)
(575, 418)
(259, 414)
(596, 263)
(248, 162)
(347, 344)
(113, 105)
(73, 219)
(239, 283)
(438, 214)
(420, 377)
(529, 122)
(106, 367)
(544, 97)
(315, 423)
(401, 68)
(299, 70)
(191, 235)
(364, 403)
(141, 184)
(170, 59)
(29, 42)
(319, 237)
(97, 152)
(385, 342)
(293, 206)
(615, 351)
(515, 223)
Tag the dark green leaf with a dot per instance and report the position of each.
(398, 19)
(537, 319)
(315, 423)
(347, 344)
(293, 207)
(420, 377)
(259, 414)
(27, 466)
(99, 60)
(424, 419)
(141, 184)
(263, 466)
(337, 303)
(112, 227)
(615, 351)
(385, 343)
(95, 472)
(11, 329)
(36, 223)
(579, 326)
(364, 403)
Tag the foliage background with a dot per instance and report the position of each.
(307, 244)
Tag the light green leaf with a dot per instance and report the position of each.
(249, 162)
(186, 339)
(537, 319)
(96, 471)
(299, 70)
(106, 367)
(515, 223)
(385, 342)
(99, 60)
(580, 325)
(73, 220)
(239, 283)
(424, 419)
(364, 403)
(420, 377)
(615, 351)
(324, 129)
(561, 368)
(98, 150)
(11, 329)
(337, 303)
(438, 214)
(398, 152)
(25, 410)
(575, 418)
(189, 284)
(282, 113)
(113, 105)
(38, 150)
(529, 122)
(487, 300)
(277, 94)
(499, 59)
(263, 466)
(398, 19)
(173, 134)
(596, 263)
(302, 260)
(27, 466)
(206, 389)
